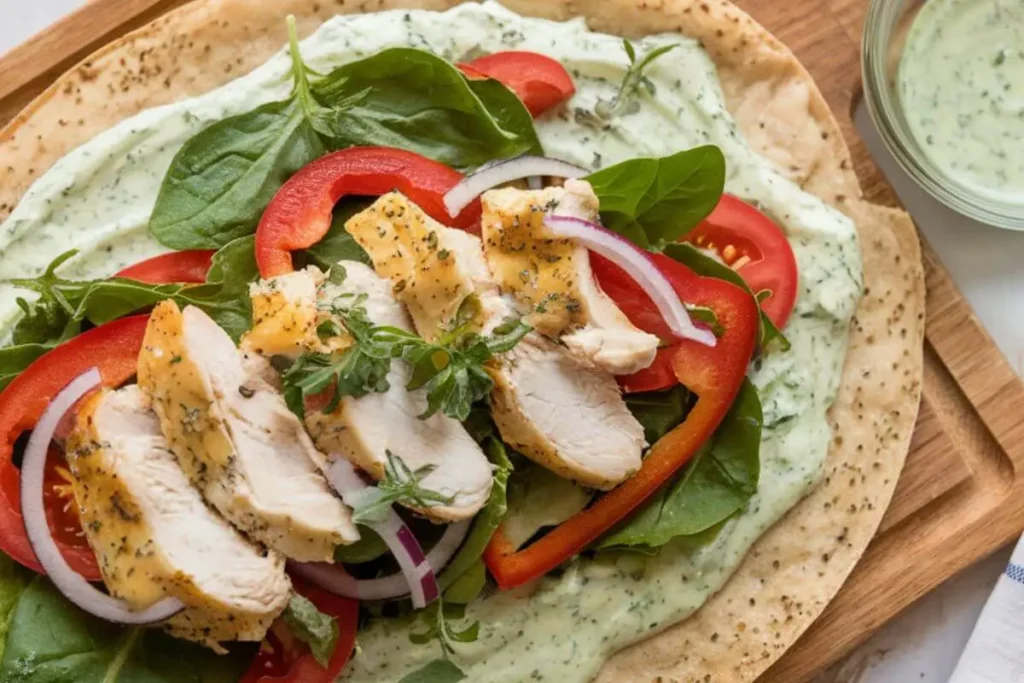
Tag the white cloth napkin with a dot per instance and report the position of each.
(995, 651)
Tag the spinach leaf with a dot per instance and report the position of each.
(52, 641)
(369, 547)
(702, 264)
(13, 580)
(312, 627)
(338, 245)
(718, 483)
(437, 671)
(538, 499)
(487, 520)
(467, 587)
(654, 202)
(660, 411)
(410, 99)
(14, 360)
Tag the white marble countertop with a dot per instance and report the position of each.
(924, 643)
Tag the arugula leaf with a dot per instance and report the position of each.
(400, 485)
(660, 411)
(718, 483)
(488, 519)
(654, 202)
(439, 628)
(313, 627)
(50, 641)
(437, 671)
(411, 99)
(702, 264)
(634, 81)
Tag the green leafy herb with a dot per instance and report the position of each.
(14, 360)
(50, 641)
(660, 411)
(439, 628)
(400, 485)
(633, 83)
(437, 671)
(369, 547)
(702, 264)
(450, 370)
(488, 519)
(409, 98)
(718, 483)
(467, 587)
(13, 580)
(222, 179)
(313, 627)
(654, 202)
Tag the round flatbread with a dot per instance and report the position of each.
(798, 565)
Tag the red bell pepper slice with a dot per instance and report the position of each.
(299, 215)
(178, 266)
(541, 82)
(114, 349)
(291, 662)
(713, 374)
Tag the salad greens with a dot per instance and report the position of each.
(660, 411)
(400, 485)
(221, 180)
(13, 580)
(719, 482)
(312, 627)
(654, 202)
(436, 617)
(49, 640)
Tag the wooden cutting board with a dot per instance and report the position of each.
(961, 494)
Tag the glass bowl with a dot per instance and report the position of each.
(885, 33)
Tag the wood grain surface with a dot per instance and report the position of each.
(961, 494)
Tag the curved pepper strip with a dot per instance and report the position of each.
(299, 215)
(188, 267)
(713, 374)
(114, 349)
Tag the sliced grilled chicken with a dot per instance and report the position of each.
(551, 277)
(153, 534)
(236, 439)
(364, 430)
(281, 323)
(559, 410)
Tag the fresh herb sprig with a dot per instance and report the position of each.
(439, 628)
(633, 83)
(450, 370)
(400, 485)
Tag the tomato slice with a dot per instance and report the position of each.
(541, 82)
(757, 248)
(299, 215)
(291, 661)
(178, 266)
(114, 349)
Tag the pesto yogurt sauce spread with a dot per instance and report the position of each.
(961, 87)
(98, 198)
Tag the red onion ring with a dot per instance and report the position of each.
(334, 578)
(68, 582)
(421, 582)
(637, 264)
(505, 171)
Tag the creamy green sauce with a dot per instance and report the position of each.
(97, 199)
(961, 87)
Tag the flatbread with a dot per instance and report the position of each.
(797, 566)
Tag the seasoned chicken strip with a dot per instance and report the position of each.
(365, 429)
(558, 410)
(551, 277)
(236, 439)
(153, 534)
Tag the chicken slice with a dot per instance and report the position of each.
(236, 439)
(153, 534)
(553, 407)
(281, 323)
(551, 277)
(365, 429)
